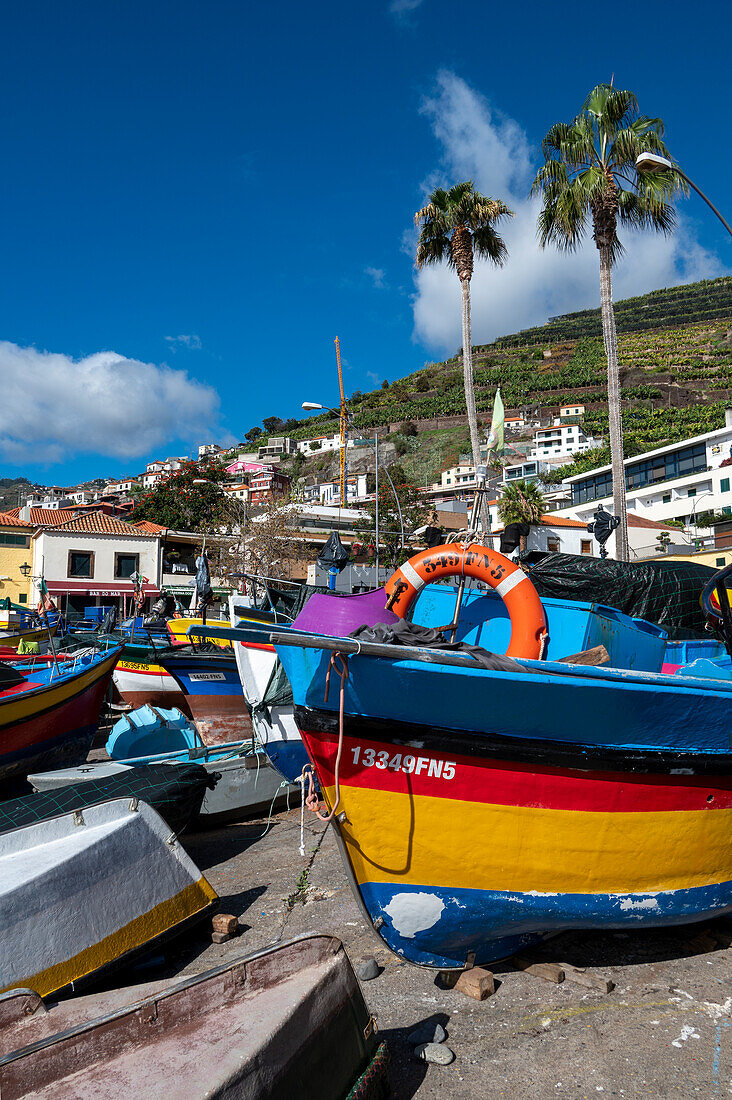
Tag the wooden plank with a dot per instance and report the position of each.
(579, 976)
(476, 982)
(225, 923)
(598, 655)
(550, 972)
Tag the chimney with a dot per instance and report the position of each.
(728, 417)
(25, 513)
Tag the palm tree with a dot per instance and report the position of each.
(522, 502)
(458, 225)
(589, 175)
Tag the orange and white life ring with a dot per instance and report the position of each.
(508, 580)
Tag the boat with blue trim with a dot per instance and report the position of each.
(50, 707)
(482, 808)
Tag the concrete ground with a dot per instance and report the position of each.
(664, 1031)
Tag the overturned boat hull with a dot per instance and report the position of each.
(82, 891)
(286, 1022)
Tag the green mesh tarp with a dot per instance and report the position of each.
(175, 790)
(290, 600)
(278, 692)
(667, 593)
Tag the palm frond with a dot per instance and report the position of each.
(488, 245)
(461, 208)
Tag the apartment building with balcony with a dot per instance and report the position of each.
(675, 482)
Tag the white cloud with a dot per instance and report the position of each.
(377, 276)
(481, 144)
(191, 341)
(403, 7)
(55, 406)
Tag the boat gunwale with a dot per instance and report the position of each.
(179, 987)
(37, 691)
(551, 670)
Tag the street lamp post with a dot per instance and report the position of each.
(652, 162)
(310, 406)
(706, 493)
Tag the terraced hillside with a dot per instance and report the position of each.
(676, 374)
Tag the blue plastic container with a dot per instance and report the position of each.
(573, 626)
(96, 614)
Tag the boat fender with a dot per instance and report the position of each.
(508, 580)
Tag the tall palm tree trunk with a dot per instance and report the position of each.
(470, 392)
(613, 404)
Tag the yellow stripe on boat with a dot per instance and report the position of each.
(27, 704)
(193, 899)
(429, 841)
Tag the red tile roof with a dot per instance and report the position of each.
(9, 520)
(641, 521)
(45, 517)
(561, 521)
(100, 524)
(149, 527)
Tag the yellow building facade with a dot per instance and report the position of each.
(15, 551)
(715, 559)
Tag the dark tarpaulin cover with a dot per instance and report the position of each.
(404, 633)
(333, 554)
(204, 594)
(512, 535)
(175, 791)
(667, 593)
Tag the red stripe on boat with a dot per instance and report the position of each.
(379, 766)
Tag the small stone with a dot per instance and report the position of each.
(368, 969)
(435, 1053)
(427, 1033)
(220, 937)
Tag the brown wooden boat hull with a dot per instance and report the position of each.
(286, 1022)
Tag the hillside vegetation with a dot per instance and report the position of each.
(675, 349)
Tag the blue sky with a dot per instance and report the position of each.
(197, 198)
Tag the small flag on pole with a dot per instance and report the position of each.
(495, 438)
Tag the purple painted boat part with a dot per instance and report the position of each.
(338, 616)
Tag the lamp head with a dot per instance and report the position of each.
(652, 162)
(308, 406)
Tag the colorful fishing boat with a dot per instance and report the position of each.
(479, 809)
(139, 679)
(92, 887)
(285, 1022)
(25, 626)
(49, 713)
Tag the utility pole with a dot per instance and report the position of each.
(343, 465)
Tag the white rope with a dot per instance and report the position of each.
(301, 781)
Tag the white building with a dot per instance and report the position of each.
(320, 443)
(123, 486)
(240, 491)
(677, 482)
(89, 561)
(276, 446)
(535, 470)
(52, 502)
(208, 449)
(514, 423)
(560, 441)
(571, 410)
(150, 480)
(329, 492)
